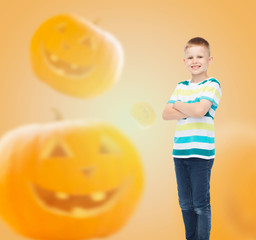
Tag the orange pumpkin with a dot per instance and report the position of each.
(75, 57)
(233, 184)
(68, 180)
(143, 114)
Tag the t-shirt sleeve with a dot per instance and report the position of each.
(212, 92)
(174, 96)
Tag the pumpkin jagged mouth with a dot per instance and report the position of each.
(79, 205)
(64, 68)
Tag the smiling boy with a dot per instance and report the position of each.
(193, 103)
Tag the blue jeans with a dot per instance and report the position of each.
(193, 184)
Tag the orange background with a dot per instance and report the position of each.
(153, 35)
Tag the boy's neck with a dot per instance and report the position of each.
(198, 78)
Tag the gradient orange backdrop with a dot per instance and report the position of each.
(153, 35)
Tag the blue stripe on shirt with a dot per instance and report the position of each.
(210, 99)
(191, 151)
(198, 100)
(171, 101)
(196, 138)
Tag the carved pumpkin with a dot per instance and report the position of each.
(68, 180)
(75, 57)
(143, 114)
(233, 186)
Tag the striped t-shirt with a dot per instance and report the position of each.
(194, 137)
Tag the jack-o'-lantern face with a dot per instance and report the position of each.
(143, 114)
(55, 60)
(70, 174)
(234, 183)
(72, 203)
(75, 57)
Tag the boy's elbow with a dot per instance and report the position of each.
(164, 116)
(202, 108)
(199, 112)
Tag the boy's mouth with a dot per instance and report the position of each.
(195, 67)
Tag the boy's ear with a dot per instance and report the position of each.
(210, 59)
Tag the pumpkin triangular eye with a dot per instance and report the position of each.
(61, 27)
(56, 149)
(108, 146)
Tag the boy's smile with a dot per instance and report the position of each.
(197, 60)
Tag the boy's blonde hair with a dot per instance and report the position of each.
(197, 41)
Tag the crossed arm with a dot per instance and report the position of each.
(180, 110)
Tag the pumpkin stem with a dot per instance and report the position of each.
(58, 115)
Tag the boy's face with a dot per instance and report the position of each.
(197, 59)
